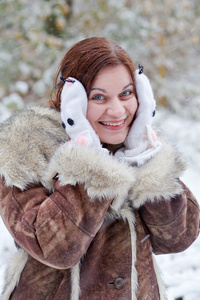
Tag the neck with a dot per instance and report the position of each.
(112, 148)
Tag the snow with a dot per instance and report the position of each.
(21, 87)
(180, 272)
(14, 99)
(4, 113)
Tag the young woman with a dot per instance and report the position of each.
(89, 204)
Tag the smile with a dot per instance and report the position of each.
(115, 124)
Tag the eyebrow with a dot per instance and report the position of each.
(104, 91)
(99, 89)
(127, 85)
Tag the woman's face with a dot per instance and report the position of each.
(112, 104)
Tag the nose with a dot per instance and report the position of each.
(115, 108)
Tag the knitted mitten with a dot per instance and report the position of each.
(141, 143)
(73, 114)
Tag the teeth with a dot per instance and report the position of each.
(113, 124)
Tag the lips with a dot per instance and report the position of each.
(115, 123)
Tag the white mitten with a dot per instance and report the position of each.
(141, 143)
(73, 114)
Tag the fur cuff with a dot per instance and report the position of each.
(158, 178)
(102, 175)
(13, 272)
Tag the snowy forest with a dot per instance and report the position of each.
(163, 36)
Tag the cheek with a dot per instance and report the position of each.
(92, 114)
(132, 107)
(89, 116)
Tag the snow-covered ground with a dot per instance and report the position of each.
(181, 272)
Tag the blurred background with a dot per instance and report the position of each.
(161, 35)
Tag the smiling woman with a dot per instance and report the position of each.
(112, 104)
(89, 204)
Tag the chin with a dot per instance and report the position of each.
(113, 141)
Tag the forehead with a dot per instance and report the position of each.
(108, 75)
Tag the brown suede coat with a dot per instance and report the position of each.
(88, 223)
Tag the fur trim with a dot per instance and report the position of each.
(102, 175)
(161, 285)
(39, 155)
(127, 214)
(158, 177)
(75, 282)
(27, 141)
(15, 266)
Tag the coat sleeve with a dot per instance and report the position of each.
(57, 227)
(173, 224)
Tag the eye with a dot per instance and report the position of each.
(98, 97)
(70, 122)
(126, 94)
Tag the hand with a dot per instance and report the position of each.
(144, 116)
(73, 114)
(141, 143)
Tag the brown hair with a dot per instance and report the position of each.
(85, 59)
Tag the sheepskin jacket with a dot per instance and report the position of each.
(86, 225)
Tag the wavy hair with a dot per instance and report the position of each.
(84, 60)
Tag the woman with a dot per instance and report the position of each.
(88, 209)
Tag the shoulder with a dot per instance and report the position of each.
(28, 139)
(28, 120)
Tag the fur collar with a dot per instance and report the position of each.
(28, 139)
(33, 150)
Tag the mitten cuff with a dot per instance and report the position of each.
(102, 175)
